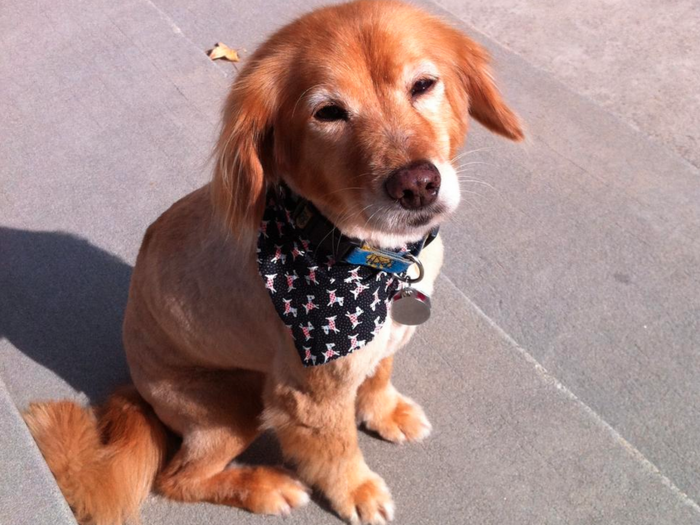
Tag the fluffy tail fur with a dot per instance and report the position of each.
(104, 460)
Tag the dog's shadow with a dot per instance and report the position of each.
(62, 305)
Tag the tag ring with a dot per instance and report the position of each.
(421, 272)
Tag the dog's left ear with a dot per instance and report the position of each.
(485, 102)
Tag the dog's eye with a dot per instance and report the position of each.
(331, 113)
(422, 86)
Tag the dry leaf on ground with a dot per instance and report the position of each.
(222, 51)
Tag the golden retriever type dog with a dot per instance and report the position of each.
(359, 108)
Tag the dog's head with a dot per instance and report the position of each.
(359, 108)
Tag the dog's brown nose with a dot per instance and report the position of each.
(415, 186)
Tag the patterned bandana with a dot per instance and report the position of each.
(331, 309)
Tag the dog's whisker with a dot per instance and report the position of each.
(466, 153)
(361, 211)
(474, 181)
(473, 163)
(342, 189)
(372, 216)
(361, 175)
(352, 212)
(473, 193)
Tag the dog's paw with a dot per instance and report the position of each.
(406, 421)
(273, 491)
(369, 503)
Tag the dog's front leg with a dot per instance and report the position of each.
(380, 407)
(313, 413)
(390, 414)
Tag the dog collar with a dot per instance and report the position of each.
(320, 231)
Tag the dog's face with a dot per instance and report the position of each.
(360, 108)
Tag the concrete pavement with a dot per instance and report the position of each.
(560, 371)
(636, 59)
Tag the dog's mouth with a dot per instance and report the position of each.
(423, 218)
(396, 220)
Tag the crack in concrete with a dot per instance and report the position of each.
(549, 379)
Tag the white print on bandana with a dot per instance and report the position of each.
(330, 309)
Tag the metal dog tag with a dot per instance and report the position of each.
(410, 307)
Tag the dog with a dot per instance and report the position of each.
(358, 110)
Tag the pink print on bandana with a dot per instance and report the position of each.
(330, 308)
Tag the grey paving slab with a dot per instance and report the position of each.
(113, 120)
(637, 59)
(588, 236)
(28, 494)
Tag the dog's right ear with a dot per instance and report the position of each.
(238, 186)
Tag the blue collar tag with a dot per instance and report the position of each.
(390, 262)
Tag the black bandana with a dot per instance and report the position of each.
(331, 309)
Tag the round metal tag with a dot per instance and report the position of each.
(410, 307)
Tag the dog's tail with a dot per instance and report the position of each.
(104, 460)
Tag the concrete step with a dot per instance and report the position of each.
(28, 491)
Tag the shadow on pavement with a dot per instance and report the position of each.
(62, 303)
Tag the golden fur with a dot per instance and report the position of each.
(204, 345)
(104, 463)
